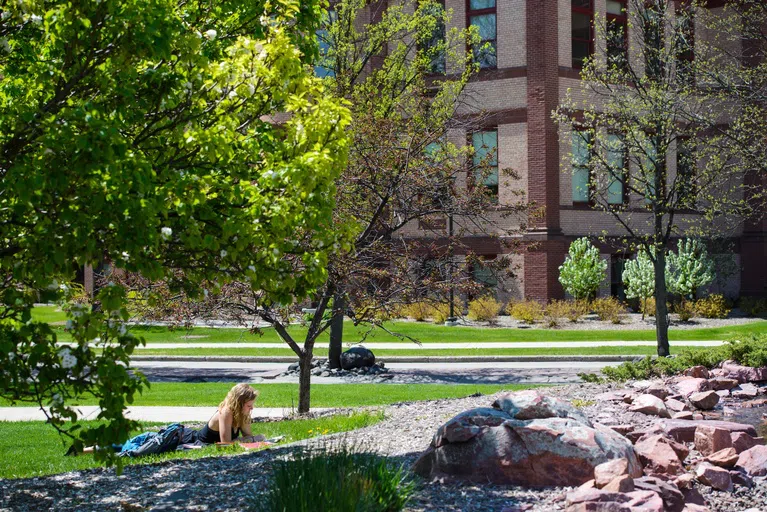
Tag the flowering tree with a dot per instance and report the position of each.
(583, 270)
(689, 268)
(639, 278)
(153, 150)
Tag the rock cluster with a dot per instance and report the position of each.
(533, 440)
(356, 362)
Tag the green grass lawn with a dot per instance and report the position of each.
(49, 314)
(427, 333)
(210, 394)
(382, 354)
(34, 448)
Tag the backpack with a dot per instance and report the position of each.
(165, 440)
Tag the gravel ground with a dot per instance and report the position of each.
(229, 482)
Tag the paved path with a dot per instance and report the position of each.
(159, 414)
(534, 372)
(442, 346)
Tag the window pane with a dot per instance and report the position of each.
(481, 4)
(485, 276)
(486, 25)
(580, 149)
(585, 4)
(485, 148)
(615, 7)
(616, 168)
(581, 28)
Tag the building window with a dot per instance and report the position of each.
(582, 31)
(686, 184)
(324, 39)
(482, 14)
(684, 35)
(617, 34)
(433, 45)
(617, 264)
(486, 160)
(581, 151)
(483, 273)
(654, 49)
(615, 158)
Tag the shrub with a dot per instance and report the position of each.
(418, 311)
(685, 310)
(573, 310)
(335, 479)
(583, 270)
(528, 311)
(647, 307)
(484, 309)
(609, 309)
(749, 350)
(689, 268)
(578, 309)
(713, 306)
(441, 311)
(639, 277)
(753, 306)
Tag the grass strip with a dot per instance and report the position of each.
(285, 395)
(427, 333)
(35, 449)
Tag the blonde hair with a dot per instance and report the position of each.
(234, 401)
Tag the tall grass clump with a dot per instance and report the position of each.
(335, 478)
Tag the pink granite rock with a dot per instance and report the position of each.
(754, 461)
(722, 383)
(704, 400)
(657, 389)
(651, 405)
(530, 404)
(689, 385)
(683, 431)
(596, 500)
(684, 415)
(699, 372)
(742, 374)
(692, 507)
(658, 456)
(673, 499)
(742, 441)
(723, 458)
(622, 429)
(676, 405)
(709, 439)
(535, 453)
(623, 483)
(713, 476)
(610, 470)
(745, 391)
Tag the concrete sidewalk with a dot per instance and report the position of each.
(160, 414)
(438, 346)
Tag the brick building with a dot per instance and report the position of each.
(539, 45)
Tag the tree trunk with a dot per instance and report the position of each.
(661, 307)
(337, 330)
(304, 381)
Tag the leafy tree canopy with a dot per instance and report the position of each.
(154, 134)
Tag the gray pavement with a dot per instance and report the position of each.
(493, 372)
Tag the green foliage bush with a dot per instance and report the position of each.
(713, 306)
(609, 309)
(484, 309)
(335, 479)
(583, 270)
(528, 311)
(753, 306)
(749, 350)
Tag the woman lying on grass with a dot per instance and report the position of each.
(232, 417)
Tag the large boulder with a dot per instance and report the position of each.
(754, 461)
(733, 370)
(477, 446)
(683, 431)
(357, 357)
(532, 405)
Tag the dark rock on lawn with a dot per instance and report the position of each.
(357, 357)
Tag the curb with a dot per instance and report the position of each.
(399, 359)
